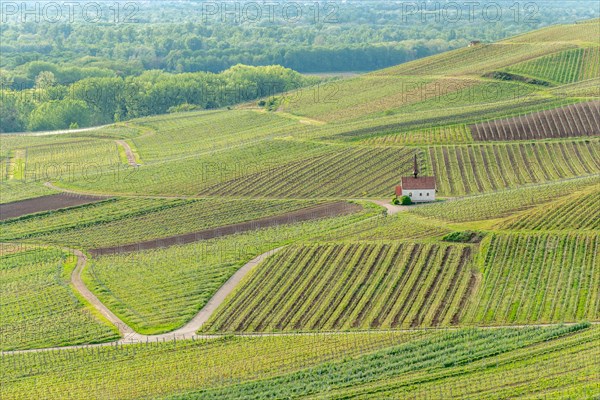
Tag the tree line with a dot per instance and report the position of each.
(98, 100)
(177, 37)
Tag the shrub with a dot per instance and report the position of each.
(396, 201)
(405, 201)
(464, 237)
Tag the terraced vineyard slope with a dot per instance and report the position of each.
(581, 211)
(538, 278)
(581, 119)
(346, 286)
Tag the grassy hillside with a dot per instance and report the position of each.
(173, 137)
(511, 131)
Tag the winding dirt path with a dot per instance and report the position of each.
(391, 209)
(186, 331)
(203, 315)
(78, 284)
(128, 152)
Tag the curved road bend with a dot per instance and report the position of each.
(186, 331)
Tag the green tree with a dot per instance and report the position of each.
(45, 80)
(59, 114)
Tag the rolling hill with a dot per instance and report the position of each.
(274, 228)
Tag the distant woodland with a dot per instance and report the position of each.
(133, 59)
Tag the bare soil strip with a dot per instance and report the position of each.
(305, 214)
(45, 203)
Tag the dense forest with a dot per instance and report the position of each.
(49, 51)
(54, 104)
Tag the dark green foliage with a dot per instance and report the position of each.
(97, 101)
(355, 36)
(464, 237)
(506, 76)
(405, 201)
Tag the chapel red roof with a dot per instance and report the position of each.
(420, 183)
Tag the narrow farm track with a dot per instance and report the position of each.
(186, 331)
(78, 284)
(128, 152)
(391, 209)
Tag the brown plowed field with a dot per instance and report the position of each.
(581, 119)
(306, 214)
(44, 203)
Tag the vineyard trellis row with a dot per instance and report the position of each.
(581, 119)
(564, 67)
(428, 136)
(577, 212)
(38, 308)
(357, 286)
(159, 290)
(557, 279)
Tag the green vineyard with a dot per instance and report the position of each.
(477, 60)
(472, 363)
(427, 231)
(131, 221)
(330, 287)
(482, 360)
(353, 172)
(191, 134)
(374, 171)
(130, 371)
(481, 168)
(565, 67)
(38, 308)
(504, 202)
(538, 278)
(576, 212)
(437, 135)
(159, 290)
